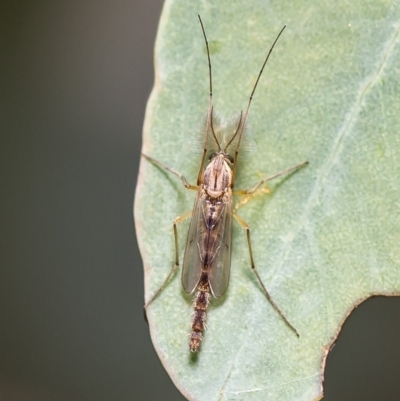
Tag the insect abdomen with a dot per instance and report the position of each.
(200, 305)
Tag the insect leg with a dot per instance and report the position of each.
(253, 267)
(271, 177)
(247, 197)
(178, 220)
(171, 170)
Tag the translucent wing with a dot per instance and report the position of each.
(221, 264)
(192, 265)
(208, 246)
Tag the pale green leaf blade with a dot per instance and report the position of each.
(328, 236)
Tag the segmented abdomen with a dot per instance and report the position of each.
(200, 305)
(207, 258)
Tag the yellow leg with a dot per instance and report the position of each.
(176, 264)
(247, 197)
(256, 190)
(276, 175)
(253, 267)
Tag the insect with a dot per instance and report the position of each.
(207, 258)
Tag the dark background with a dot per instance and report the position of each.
(75, 78)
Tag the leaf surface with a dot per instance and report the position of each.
(326, 237)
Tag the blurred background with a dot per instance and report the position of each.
(74, 81)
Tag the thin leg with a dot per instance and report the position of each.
(253, 267)
(163, 166)
(247, 197)
(271, 177)
(176, 264)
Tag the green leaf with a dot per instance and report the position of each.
(326, 237)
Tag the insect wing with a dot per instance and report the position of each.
(221, 264)
(192, 265)
(208, 246)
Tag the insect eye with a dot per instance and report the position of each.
(230, 158)
(212, 156)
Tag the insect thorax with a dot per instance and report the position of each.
(217, 177)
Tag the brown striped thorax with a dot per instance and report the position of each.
(217, 177)
(207, 258)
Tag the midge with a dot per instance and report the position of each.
(207, 259)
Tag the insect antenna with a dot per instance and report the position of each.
(212, 130)
(209, 111)
(243, 124)
(236, 131)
